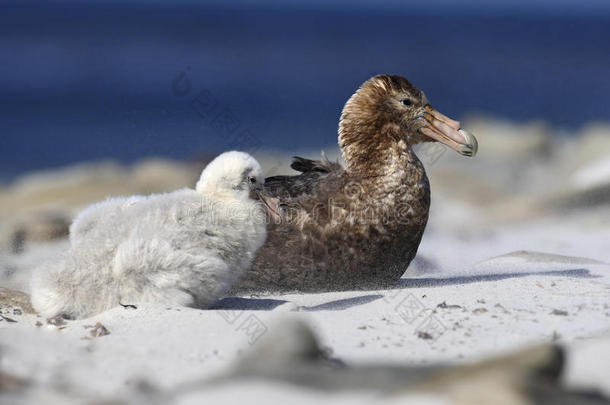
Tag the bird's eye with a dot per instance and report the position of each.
(252, 180)
(406, 102)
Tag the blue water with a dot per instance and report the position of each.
(80, 83)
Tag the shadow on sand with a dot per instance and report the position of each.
(436, 282)
(267, 304)
(248, 304)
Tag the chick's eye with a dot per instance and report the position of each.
(406, 102)
(252, 180)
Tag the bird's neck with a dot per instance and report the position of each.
(384, 155)
(393, 181)
(376, 152)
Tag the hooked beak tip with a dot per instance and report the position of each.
(471, 147)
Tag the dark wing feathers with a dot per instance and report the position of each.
(307, 165)
(313, 174)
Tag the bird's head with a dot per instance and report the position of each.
(233, 172)
(239, 175)
(387, 108)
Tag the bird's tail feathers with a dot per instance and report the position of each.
(307, 165)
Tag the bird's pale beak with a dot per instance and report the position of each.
(448, 132)
(271, 204)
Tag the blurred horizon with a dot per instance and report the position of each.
(129, 79)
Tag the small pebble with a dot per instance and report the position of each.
(7, 319)
(97, 330)
(56, 321)
(443, 305)
(502, 308)
(424, 335)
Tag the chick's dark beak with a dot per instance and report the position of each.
(271, 204)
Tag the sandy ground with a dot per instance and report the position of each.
(461, 311)
(511, 258)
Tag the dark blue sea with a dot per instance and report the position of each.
(125, 81)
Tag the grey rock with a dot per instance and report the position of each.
(290, 353)
(15, 300)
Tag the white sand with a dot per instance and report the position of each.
(504, 303)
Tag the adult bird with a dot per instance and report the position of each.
(359, 225)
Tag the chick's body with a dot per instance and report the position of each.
(186, 247)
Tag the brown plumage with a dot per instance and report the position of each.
(357, 226)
